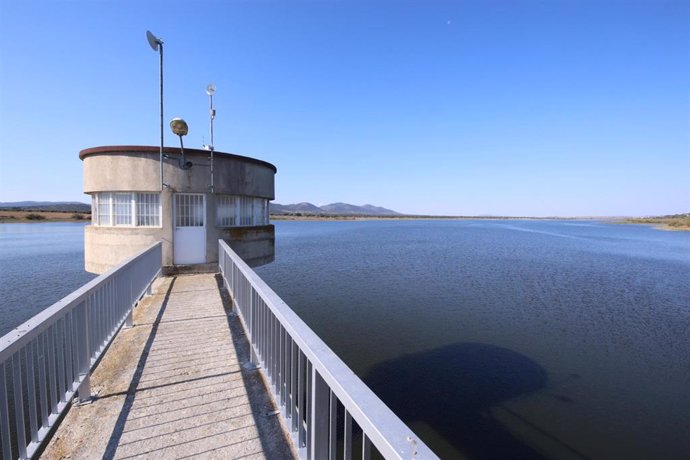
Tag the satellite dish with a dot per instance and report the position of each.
(153, 40)
(211, 89)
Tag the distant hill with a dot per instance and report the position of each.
(331, 209)
(67, 206)
(341, 209)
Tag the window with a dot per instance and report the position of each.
(148, 210)
(189, 210)
(122, 208)
(241, 211)
(104, 209)
(94, 209)
(126, 209)
(260, 208)
(226, 208)
(246, 210)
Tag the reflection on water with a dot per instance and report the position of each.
(454, 398)
(571, 338)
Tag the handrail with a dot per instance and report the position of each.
(318, 394)
(49, 358)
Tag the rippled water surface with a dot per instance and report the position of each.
(39, 264)
(491, 339)
(506, 339)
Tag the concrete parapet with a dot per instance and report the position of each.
(255, 245)
(105, 247)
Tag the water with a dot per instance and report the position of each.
(39, 264)
(506, 339)
(491, 339)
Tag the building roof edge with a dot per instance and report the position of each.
(151, 149)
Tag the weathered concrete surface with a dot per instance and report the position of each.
(137, 169)
(106, 247)
(173, 386)
(255, 245)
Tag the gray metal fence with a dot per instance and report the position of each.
(328, 409)
(48, 359)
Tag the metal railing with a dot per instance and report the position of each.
(48, 359)
(319, 395)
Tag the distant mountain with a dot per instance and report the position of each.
(68, 206)
(331, 209)
(367, 209)
(305, 207)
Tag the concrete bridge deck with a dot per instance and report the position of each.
(173, 386)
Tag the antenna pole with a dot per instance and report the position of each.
(212, 114)
(160, 44)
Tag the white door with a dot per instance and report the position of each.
(190, 229)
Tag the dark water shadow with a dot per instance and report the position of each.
(452, 388)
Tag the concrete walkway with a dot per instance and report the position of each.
(173, 386)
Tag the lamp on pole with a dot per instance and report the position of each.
(179, 127)
(157, 45)
(211, 90)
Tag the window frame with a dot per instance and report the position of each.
(133, 203)
(249, 211)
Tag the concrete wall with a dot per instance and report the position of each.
(255, 245)
(137, 169)
(105, 247)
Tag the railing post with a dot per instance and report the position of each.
(4, 415)
(320, 405)
(129, 320)
(252, 313)
(132, 300)
(84, 391)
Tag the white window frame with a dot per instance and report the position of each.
(97, 201)
(249, 211)
(231, 207)
(115, 203)
(135, 209)
(101, 202)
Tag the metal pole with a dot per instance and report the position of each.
(183, 162)
(213, 115)
(160, 44)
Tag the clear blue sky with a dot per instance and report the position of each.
(465, 107)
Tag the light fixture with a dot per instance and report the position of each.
(180, 128)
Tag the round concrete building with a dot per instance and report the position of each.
(189, 215)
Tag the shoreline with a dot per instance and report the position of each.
(8, 216)
(404, 217)
(658, 224)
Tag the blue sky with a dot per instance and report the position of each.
(570, 108)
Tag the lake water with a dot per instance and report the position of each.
(506, 339)
(39, 264)
(491, 339)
